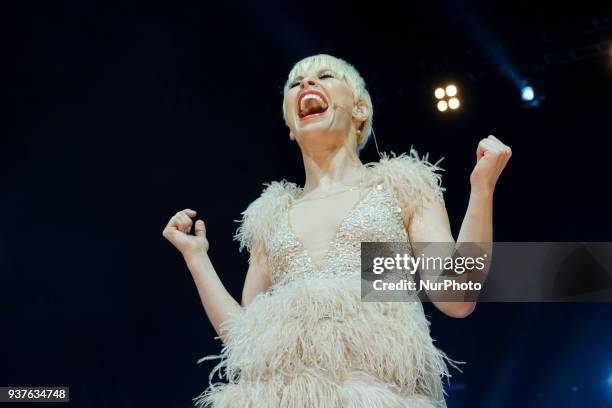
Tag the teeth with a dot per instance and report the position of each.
(311, 96)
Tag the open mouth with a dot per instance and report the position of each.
(311, 104)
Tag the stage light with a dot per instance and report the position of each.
(446, 97)
(527, 93)
(529, 96)
(453, 103)
(610, 380)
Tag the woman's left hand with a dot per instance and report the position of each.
(491, 158)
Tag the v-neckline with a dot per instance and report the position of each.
(326, 254)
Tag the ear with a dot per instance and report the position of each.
(361, 112)
(291, 135)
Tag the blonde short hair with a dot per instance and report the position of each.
(349, 74)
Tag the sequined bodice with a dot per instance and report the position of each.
(377, 217)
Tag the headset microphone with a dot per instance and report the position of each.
(358, 110)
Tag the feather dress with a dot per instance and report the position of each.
(310, 341)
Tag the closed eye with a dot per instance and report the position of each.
(322, 76)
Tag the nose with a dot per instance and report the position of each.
(308, 80)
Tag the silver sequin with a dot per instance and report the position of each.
(376, 218)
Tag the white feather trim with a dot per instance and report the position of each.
(258, 220)
(309, 390)
(321, 326)
(413, 178)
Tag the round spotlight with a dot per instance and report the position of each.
(442, 106)
(527, 94)
(451, 90)
(439, 93)
(453, 103)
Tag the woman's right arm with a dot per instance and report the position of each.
(258, 277)
(218, 304)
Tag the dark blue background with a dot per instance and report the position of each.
(128, 113)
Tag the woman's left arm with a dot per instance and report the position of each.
(432, 223)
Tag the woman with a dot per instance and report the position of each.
(301, 336)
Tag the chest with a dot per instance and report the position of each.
(315, 222)
(327, 239)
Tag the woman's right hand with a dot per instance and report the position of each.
(177, 232)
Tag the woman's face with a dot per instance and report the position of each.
(318, 106)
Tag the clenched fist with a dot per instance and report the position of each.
(178, 233)
(491, 158)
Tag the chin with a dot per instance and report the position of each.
(315, 125)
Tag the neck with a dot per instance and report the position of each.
(329, 169)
